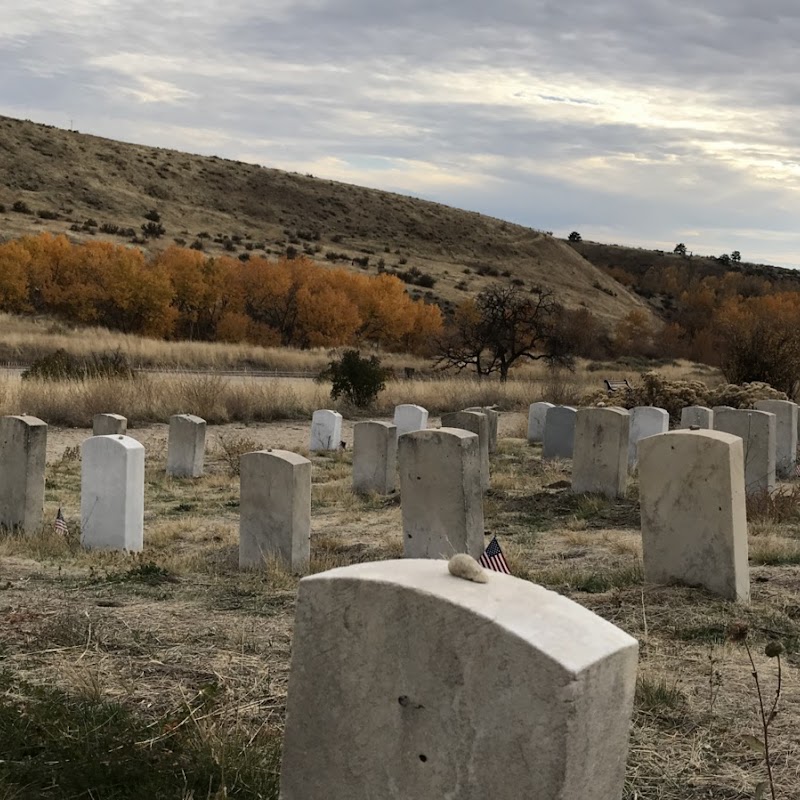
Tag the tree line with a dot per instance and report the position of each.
(181, 293)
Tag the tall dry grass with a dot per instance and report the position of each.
(23, 339)
(220, 399)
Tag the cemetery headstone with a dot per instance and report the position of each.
(326, 430)
(536, 419)
(23, 455)
(645, 421)
(493, 419)
(374, 457)
(445, 688)
(441, 493)
(600, 458)
(785, 434)
(694, 518)
(112, 493)
(478, 423)
(186, 446)
(559, 432)
(275, 510)
(109, 425)
(757, 431)
(697, 416)
(409, 418)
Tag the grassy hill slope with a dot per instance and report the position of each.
(75, 183)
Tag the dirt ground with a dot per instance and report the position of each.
(155, 631)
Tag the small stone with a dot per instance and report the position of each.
(462, 565)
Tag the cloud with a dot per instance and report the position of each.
(641, 121)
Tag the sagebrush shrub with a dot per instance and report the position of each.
(358, 379)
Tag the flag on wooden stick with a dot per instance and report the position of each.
(60, 526)
(493, 558)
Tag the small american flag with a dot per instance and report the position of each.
(493, 558)
(60, 525)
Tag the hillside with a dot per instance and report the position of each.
(74, 183)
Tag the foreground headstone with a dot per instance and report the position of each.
(559, 432)
(409, 418)
(478, 423)
(694, 518)
(112, 493)
(757, 431)
(109, 425)
(374, 457)
(698, 417)
(441, 493)
(536, 419)
(785, 434)
(186, 448)
(445, 688)
(23, 454)
(493, 419)
(600, 458)
(275, 510)
(645, 421)
(326, 430)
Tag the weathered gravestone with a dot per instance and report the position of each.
(275, 510)
(697, 416)
(694, 519)
(374, 457)
(559, 432)
(186, 446)
(757, 431)
(600, 458)
(112, 493)
(109, 425)
(645, 421)
(438, 687)
(785, 434)
(23, 455)
(478, 423)
(536, 419)
(441, 494)
(493, 419)
(409, 418)
(326, 430)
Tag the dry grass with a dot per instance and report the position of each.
(155, 633)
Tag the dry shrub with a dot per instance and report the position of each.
(652, 389)
(232, 447)
(782, 505)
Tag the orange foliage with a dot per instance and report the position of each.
(183, 294)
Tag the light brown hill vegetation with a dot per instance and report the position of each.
(87, 182)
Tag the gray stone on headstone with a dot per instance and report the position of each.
(559, 432)
(757, 431)
(409, 418)
(536, 420)
(476, 422)
(493, 418)
(441, 493)
(23, 455)
(326, 430)
(698, 417)
(600, 457)
(694, 517)
(109, 425)
(186, 446)
(445, 688)
(275, 510)
(112, 493)
(374, 457)
(645, 421)
(785, 434)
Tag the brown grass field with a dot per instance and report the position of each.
(165, 674)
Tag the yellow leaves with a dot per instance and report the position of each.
(182, 293)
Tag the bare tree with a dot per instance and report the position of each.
(500, 327)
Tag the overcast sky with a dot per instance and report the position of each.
(643, 122)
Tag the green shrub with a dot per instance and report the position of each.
(21, 207)
(359, 379)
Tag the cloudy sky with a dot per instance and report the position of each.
(643, 122)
